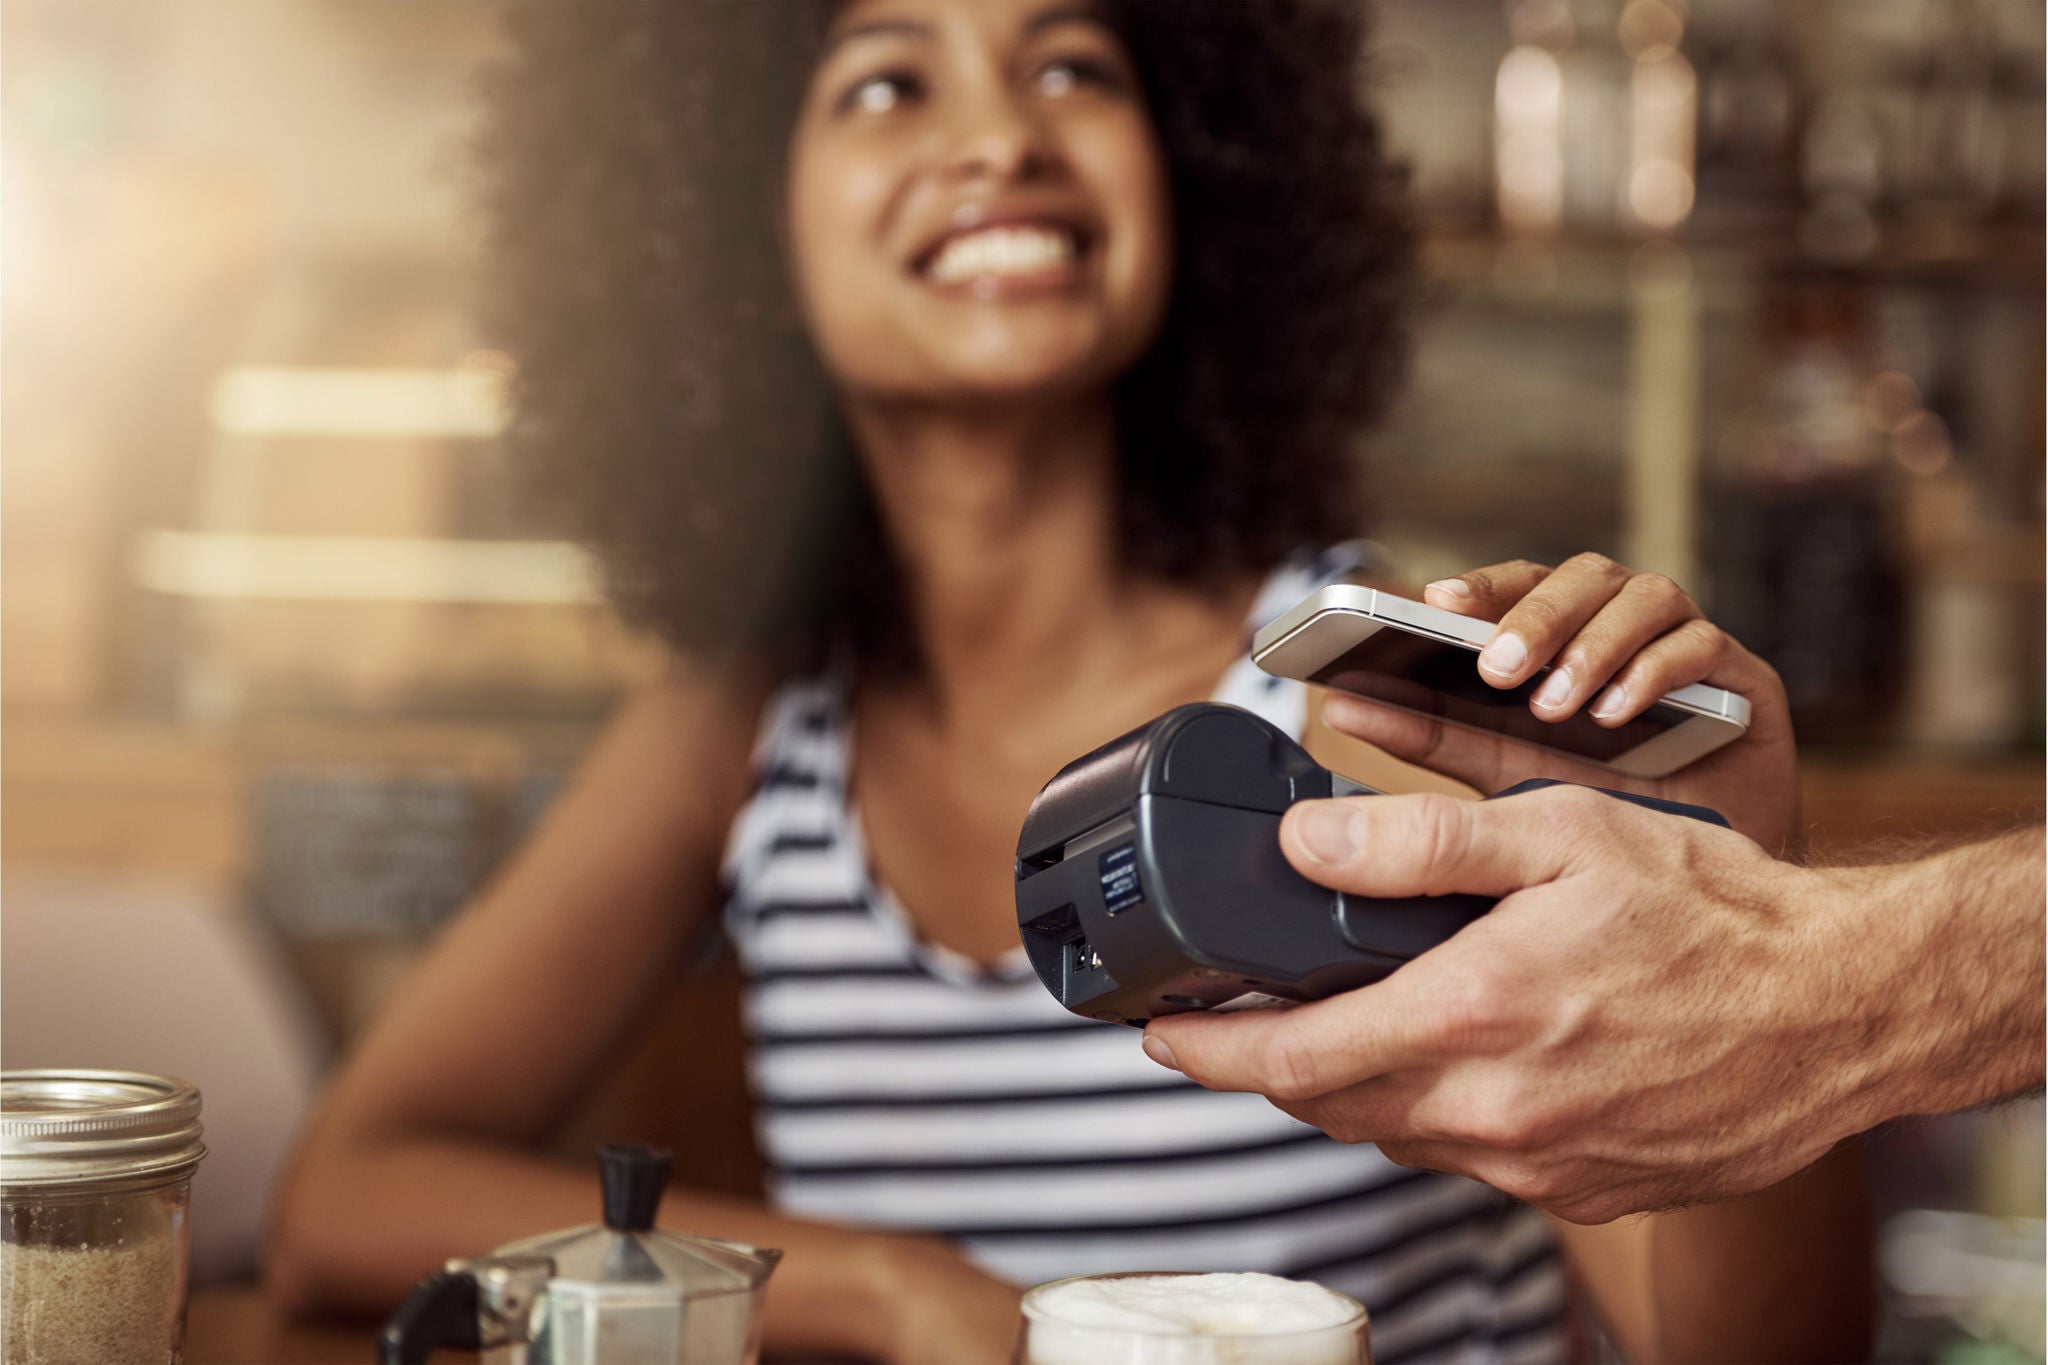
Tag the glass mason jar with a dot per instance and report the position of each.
(95, 1183)
(1055, 1338)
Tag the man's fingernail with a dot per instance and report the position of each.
(1328, 830)
(1158, 1051)
(1555, 689)
(1610, 702)
(1453, 587)
(1505, 656)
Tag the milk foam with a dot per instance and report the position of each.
(1192, 1320)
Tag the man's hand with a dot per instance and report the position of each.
(1656, 1014)
(1615, 641)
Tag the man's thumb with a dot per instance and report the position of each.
(1428, 844)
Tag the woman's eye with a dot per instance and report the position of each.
(1065, 75)
(880, 93)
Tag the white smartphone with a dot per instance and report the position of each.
(1420, 659)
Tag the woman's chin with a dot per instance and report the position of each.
(1022, 384)
(1019, 370)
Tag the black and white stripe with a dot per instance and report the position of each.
(900, 1087)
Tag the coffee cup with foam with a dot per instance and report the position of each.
(1190, 1319)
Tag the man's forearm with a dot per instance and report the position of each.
(1956, 1005)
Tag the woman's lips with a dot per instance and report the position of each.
(1001, 259)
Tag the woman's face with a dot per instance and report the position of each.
(978, 208)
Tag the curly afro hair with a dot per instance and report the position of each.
(670, 409)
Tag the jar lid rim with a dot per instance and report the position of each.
(58, 1124)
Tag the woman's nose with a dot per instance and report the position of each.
(997, 139)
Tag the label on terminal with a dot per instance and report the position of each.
(1118, 868)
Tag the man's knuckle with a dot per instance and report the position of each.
(1343, 1126)
(1585, 1210)
(1497, 1123)
(1468, 1009)
(1290, 1065)
(1424, 1156)
(1516, 1181)
(1604, 1209)
(1543, 1127)
(1571, 805)
(1442, 832)
(1553, 1183)
(1402, 1153)
(1484, 1116)
(1568, 813)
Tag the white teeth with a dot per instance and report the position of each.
(1001, 251)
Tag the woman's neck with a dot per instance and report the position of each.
(1005, 524)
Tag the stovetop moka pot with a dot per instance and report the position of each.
(619, 1292)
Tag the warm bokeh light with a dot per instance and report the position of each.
(1528, 158)
(1650, 30)
(1891, 400)
(1663, 100)
(1660, 193)
(362, 568)
(1545, 23)
(1922, 445)
(260, 400)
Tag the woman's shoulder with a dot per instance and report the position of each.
(700, 702)
(690, 729)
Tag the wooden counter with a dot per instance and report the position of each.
(233, 1324)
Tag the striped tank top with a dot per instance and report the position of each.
(899, 1086)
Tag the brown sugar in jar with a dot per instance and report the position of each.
(95, 1188)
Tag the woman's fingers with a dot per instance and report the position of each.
(1534, 629)
(1586, 620)
(1647, 607)
(1485, 763)
(1471, 758)
(1696, 651)
(1486, 593)
(1684, 656)
(1612, 642)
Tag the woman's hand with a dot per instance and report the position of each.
(941, 1310)
(1616, 641)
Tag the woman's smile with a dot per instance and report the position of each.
(993, 253)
